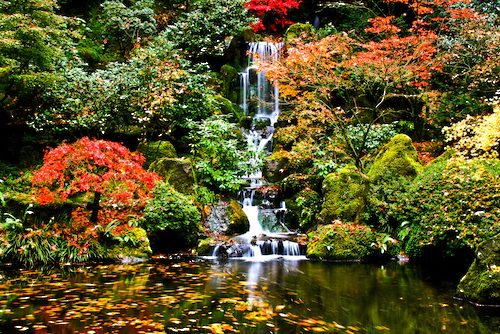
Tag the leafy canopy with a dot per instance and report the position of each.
(341, 81)
(273, 14)
(93, 166)
(34, 41)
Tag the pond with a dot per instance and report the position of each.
(204, 295)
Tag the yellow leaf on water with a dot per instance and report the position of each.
(382, 328)
(318, 329)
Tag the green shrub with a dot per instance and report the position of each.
(221, 154)
(173, 213)
(203, 30)
(450, 206)
(307, 206)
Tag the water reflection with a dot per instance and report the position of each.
(273, 295)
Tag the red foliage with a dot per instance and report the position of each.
(93, 166)
(273, 13)
(428, 150)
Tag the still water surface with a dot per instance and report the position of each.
(280, 295)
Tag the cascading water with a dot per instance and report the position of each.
(260, 98)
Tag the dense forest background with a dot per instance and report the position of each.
(352, 76)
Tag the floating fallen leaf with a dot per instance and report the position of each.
(382, 328)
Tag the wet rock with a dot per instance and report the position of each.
(481, 284)
(206, 246)
(228, 218)
(275, 169)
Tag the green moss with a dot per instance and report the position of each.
(450, 207)
(133, 243)
(344, 195)
(340, 241)
(156, 150)
(397, 158)
(248, 34)
(177, 172)
(205, 246)
(229, 76)
(227, 107)
(296, 30)
(238, 221)
(481, 284)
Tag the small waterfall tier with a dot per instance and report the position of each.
(268, 234)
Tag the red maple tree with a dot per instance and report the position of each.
(273, 14)
(340, 80)
(102, 171)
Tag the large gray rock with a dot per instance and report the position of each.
(227, 218)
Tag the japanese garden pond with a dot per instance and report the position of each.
(208, 295)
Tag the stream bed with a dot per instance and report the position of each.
(272, 294)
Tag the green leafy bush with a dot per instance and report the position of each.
(308, 206)
(125, 26)
(451, 205)
(173, 213)
(221, 153)
(203, 30)
(153, 94)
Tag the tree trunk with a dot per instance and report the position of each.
(95, 207)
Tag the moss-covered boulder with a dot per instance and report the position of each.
(133, 245)
(296, 30)
(247, 34)
(177, 172)
(226, 107)
(481, 284)
(397, 158)
(340, 241)
(275, 169)
(156, 150)
(344, 195)
(228, 218)
(229, 76)
(206, 246)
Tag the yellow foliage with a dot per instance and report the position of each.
(475, 137)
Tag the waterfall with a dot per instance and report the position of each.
(260, 100)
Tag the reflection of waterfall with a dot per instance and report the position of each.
(259, 100)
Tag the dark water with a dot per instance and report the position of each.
(236, 296)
